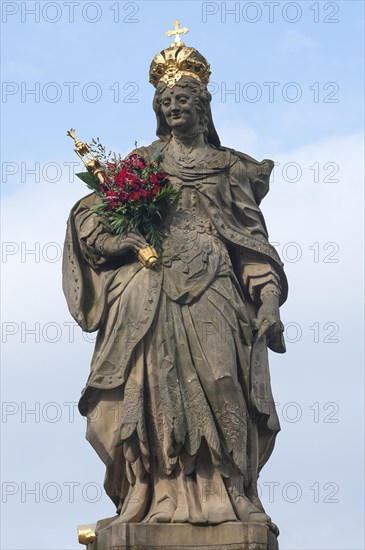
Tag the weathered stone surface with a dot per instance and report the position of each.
(226, 536)
(179, 400)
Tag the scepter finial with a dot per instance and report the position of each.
(82, 148)
(72, 133)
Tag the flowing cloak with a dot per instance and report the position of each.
(230, 186)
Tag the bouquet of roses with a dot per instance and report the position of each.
(134, 194)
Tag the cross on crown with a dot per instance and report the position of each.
(177, 33)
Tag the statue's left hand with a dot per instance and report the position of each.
(268, 316)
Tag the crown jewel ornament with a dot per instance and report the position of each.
(171, 64)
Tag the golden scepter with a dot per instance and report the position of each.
(147, 255)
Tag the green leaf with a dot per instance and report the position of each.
(90, 180)
(157, 154)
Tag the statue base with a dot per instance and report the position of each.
(183, 536)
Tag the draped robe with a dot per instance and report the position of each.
(178, 399)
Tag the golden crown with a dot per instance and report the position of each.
(177, 61)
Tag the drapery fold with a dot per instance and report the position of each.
(179, 374)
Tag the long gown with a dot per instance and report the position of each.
(178, 400)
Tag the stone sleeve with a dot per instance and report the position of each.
(259, 279)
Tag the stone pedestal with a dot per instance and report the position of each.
(226, 536)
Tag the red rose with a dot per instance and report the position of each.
(134, 196)
(133, 180)
(113, 204)
(112, 198)
(136, 160)
(161, 176)
(120, 178)
(156, 189)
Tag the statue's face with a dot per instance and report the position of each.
(179, 109)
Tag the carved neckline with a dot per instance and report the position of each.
(187, 160)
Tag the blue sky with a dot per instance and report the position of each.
(295, 72)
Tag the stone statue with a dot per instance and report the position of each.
(178, 400)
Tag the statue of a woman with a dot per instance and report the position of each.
(178, 400)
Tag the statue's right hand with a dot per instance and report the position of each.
(133, 241)
(120, 244)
